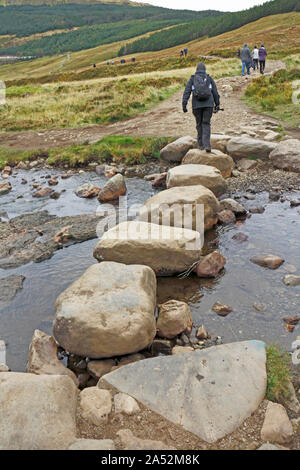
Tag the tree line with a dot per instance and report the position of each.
(25, 20)
(85, 38)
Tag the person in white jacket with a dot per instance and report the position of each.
(255, 56)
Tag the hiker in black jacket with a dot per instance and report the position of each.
(205, 97)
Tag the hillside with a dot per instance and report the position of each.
(26, 20)
(280, 33)
(209, 27)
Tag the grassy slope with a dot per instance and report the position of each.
(273, 95)
(280, 34)
(64, 62)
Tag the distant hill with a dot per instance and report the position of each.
(55, 2)
(78, 26)
(209, 27)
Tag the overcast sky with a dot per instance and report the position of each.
(222, 5)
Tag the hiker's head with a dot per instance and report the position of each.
(201, 68)
(245, 45)
(262, 45)
(255, 47)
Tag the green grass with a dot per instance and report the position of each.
(32, 107)
(273, 95)
(278, 373)
(111, 149)
(116, 70)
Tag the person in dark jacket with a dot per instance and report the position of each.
(202, 110)
(262, 59)
(246, 59)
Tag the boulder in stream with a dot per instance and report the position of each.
(113, 189)
(217, 159)
(174, 318)
(167, 250)
(87, 190)
(5, 187)
(267, 261)
(179, 205)
(193, 175)
(108, 311)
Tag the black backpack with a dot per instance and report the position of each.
(202, 87)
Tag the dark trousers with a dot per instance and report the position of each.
(262, 64)
(203, 117)
(255, 62)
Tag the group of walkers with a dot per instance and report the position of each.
(122, 61)
(255, 59)
(183, 52)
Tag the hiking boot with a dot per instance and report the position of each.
(200, 147)
(208, 150)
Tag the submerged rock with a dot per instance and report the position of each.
(9, 287)
(221, 309)
(21, 240)
(87, 190)
(5, 187)
(291, 280)
(43, 192)
(112, 307)
(267, 261)
(210, 265)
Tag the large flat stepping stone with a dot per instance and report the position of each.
(195, 206)
(209, 393)
(195, 174)
(247, 147)
(167, 250)
(217, 159)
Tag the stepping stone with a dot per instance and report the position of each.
(209, 393)
(193, 175)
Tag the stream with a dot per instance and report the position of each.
(241, 285)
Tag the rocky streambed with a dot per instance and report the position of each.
(258, 297)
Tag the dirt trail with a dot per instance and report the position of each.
(166, 119)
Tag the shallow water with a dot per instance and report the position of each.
(241, 285)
